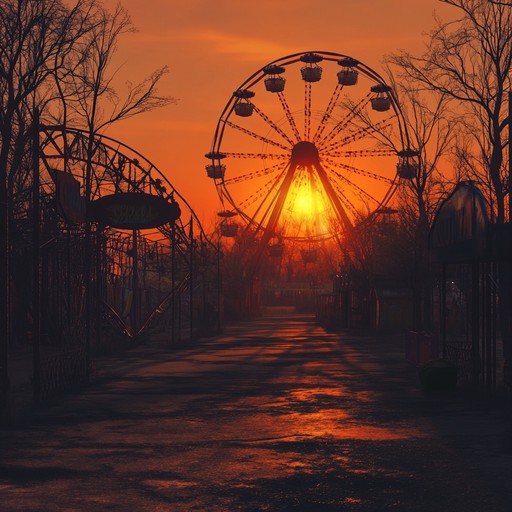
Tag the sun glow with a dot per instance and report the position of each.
(305, 203)
(306, 212)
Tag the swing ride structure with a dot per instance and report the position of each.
(105, 253)
(117, 255)
(140, 264)
(308, 150)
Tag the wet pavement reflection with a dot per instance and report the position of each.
(275, 415)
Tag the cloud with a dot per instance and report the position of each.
(236, 46)
(244, 48)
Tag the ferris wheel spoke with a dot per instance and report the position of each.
(255, 135)
(256, 174)
(361, 133)
(362, 153)
(291, 200)
(289, 115)
(344, 122)
(362, 172)
(346, 202)
(259, 156)
(307, 110)
(273, 125)
(224, 196)
(268, 199)
(269, 208)
(263, 191)
(366, 196)
(328, 113)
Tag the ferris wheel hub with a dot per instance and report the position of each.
(305, 153)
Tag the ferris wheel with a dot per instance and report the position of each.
(308, 148)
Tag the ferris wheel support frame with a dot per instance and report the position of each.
(310, 157)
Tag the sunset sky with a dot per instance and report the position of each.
(211, 47)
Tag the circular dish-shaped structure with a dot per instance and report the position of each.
(113, 168)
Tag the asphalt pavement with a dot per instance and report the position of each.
(274, 415)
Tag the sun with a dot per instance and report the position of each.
(305, 212)
(304, 202)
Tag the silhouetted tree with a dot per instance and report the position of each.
(469, 60)
(56, 56)
(86, 79)
(31, 35)
(430, 133)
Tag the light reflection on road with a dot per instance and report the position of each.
(280, 417)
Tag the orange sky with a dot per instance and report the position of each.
(211, 47)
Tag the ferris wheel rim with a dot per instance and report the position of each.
(282, 63)
(295, 57)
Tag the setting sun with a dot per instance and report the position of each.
(305, 204)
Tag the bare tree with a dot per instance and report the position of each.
(469, 60)
(31, 35)
(430, 134)
(55, 56)
(87, 88)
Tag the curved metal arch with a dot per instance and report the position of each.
(123, 168)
